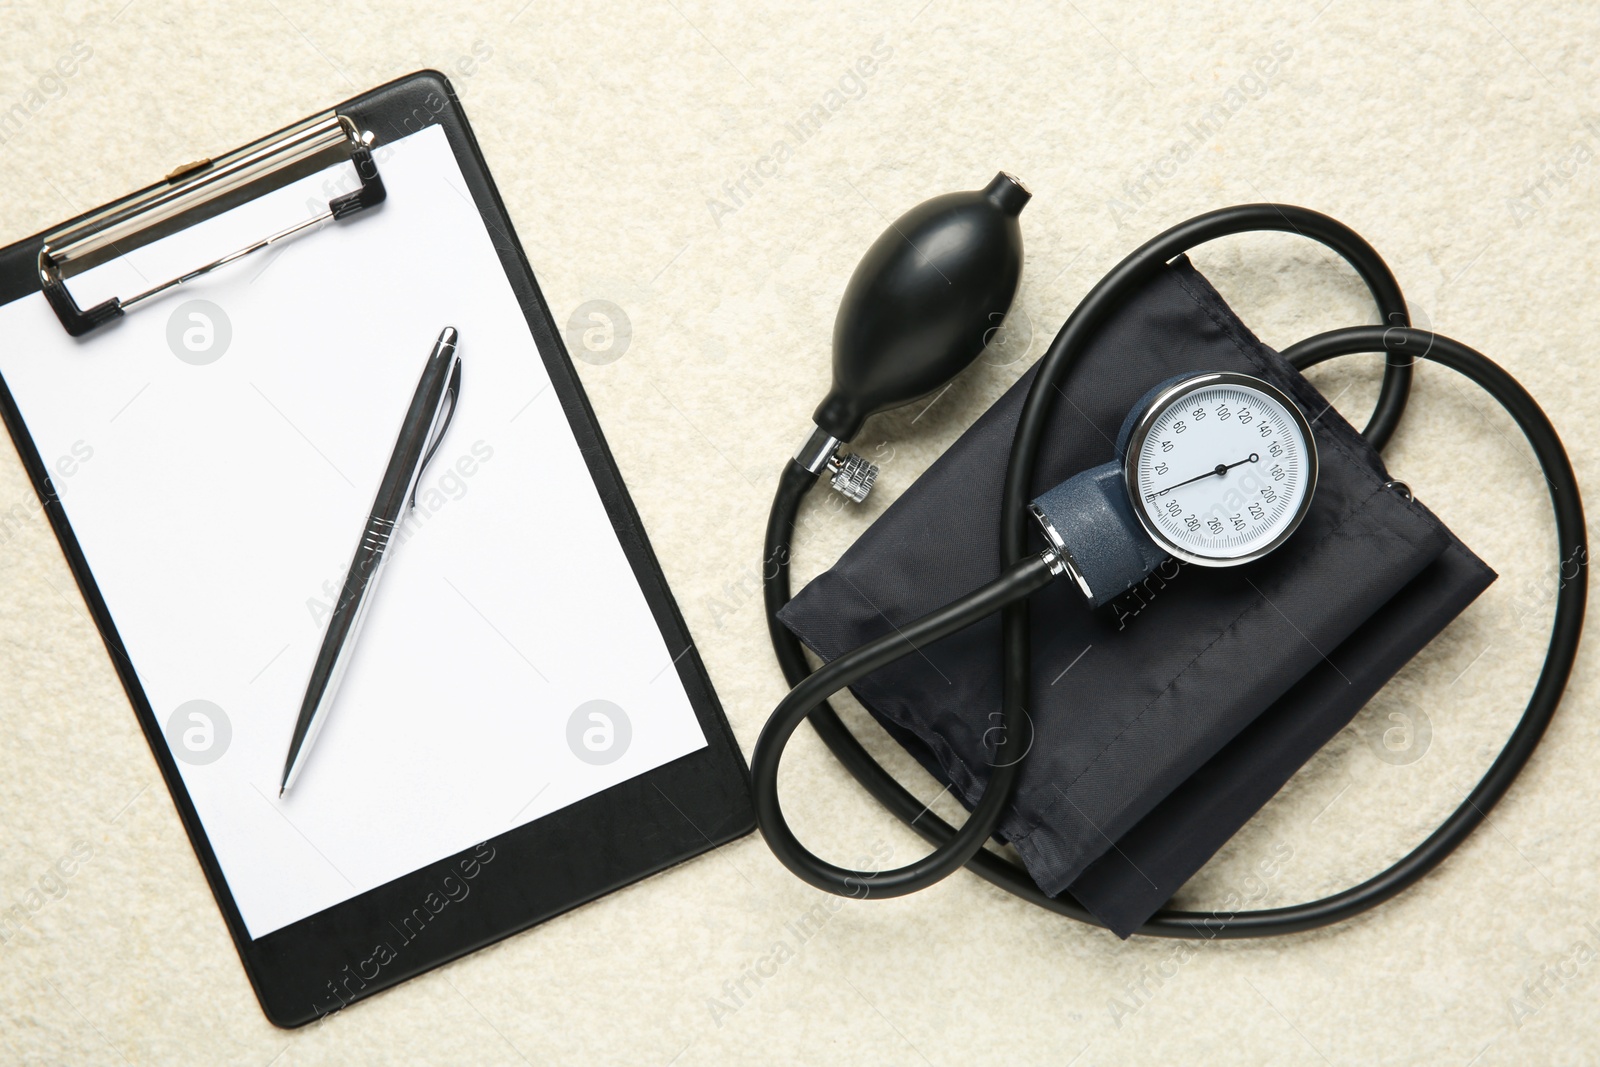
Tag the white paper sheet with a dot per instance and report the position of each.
(218, 505)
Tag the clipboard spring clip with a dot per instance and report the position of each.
(221, 183)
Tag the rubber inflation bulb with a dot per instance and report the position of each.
(924, 301)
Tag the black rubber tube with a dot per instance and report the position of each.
(1016, 583)
(1401, 345)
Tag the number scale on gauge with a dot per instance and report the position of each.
(1222, 470)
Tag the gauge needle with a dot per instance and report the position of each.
(1219, 469)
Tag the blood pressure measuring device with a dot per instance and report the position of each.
(1211, 469)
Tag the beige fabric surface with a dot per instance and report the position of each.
(636, 148)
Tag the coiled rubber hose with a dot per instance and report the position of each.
(1021, 576)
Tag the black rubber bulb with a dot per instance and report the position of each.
(923, 302)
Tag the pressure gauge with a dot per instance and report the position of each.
(1220, 468)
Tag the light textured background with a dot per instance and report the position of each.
(1453, 136)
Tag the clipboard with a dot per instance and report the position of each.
(488, 889)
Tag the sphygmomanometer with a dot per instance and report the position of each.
(1142, 590)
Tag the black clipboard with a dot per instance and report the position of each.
(321, 963)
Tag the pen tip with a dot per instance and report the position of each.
(281, 788)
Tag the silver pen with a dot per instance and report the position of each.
(432, 407)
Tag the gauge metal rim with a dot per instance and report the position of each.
(1141, 430)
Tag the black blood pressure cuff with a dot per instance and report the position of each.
(1162, 721)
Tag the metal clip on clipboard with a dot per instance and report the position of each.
(216, 183)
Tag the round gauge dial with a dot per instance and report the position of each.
(1220, 468)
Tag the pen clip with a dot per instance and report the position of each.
(441, 422)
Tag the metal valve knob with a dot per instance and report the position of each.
(853, 476)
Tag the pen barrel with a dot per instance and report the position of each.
(339, 641)
(369, 556)
(375, 540)
(431, 410)
(360, 580)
